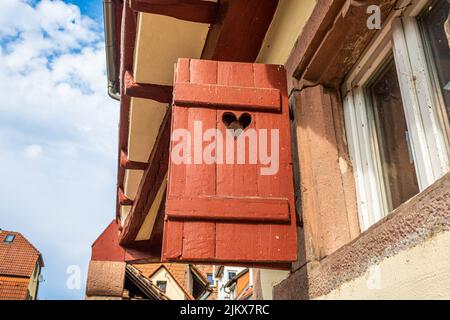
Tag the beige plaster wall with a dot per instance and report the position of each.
(269, 278)
(422, 272)
(34, 282)
(288, 22)
(173, 290)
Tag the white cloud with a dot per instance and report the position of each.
(53, 70)
(33, 151)
(54, 107)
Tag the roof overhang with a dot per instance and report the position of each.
(153, 35)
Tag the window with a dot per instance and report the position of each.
(9, 238)
(231, 274)
(396, 158)
(162, 285)
(395, 114)
(437, 41)
(210, 278)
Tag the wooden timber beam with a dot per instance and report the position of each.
(150, 183)
(125, 163)
(127, 42)
(320, 21)
(239, 30)
(157, 92)
(123, 199)
(189, 10)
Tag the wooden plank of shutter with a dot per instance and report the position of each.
(200, 180)
(233, 97)
(197, 226)
(241, 209)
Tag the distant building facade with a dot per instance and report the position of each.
(148, 281)
(234, 283)
(20, 267)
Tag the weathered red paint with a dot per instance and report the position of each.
(106, 248)
(233, 97)
(157, 92)
(125, 163)
(123, 199)
(239, 30)
(215, 208)
(200, 234)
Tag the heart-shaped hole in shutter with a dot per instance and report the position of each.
(231, 122)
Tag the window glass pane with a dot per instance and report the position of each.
(9, 238)
(433, 24)
(396, 158)
(210, 279)
(162, 285)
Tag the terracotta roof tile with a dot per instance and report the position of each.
(147, 269)
(13, 288)
(17, 258)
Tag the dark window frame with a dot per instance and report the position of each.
(162, 285)
(9, 238)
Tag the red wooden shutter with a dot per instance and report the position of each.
(230, 212)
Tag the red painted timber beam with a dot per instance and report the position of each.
(127, 41)
(189, 10)
(123, 199)
(149, 185)
(131, 165)
(239, 30)
(129, 88)
(157, 92)
(232, 97)
(217, 208)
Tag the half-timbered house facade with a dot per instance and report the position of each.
(307, 140)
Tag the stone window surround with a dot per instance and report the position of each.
(334, 252)
(400, 38)
(419, 219)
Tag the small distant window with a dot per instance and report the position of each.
(210, 278)
(231, 274)
(9, 238)
(162, 285)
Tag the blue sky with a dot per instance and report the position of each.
(58, 134)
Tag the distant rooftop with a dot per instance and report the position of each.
(18, 256)
(18, 259)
